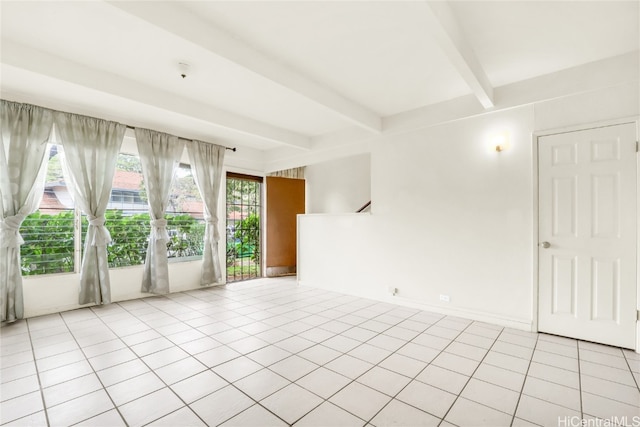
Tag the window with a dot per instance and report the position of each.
(49, 233)
(116, 197)
(185, 217)
(53, 245)
(128, 221)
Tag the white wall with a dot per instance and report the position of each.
(451, 216)
(339, 186)
(590, 107)
(59, 292)
(341, 252)
(461, 212)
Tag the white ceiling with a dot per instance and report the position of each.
(267, 75)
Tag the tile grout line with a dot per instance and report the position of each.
(343, 353)
(229, 383)
(319, 366)
(117, 407)
(469, 379)
(324, 400)
(579, 389)
(94, 373)
(414, 378)
(137, 318)
(211, 369)
(167, 386)
(385, 358)
(154, 370)
(281, 305)
(580, 379)
(524, 381)
(352, 326)
(346, 353)
(263, 367)
(35, 363)
(631, 370)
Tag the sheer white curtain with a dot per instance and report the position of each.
(159, 154)
(25, 132)
(206, 162)
(91, 149)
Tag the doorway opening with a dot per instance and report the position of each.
(243, 225)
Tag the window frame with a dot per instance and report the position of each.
(78, 235)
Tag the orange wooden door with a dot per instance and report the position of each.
(285, 200)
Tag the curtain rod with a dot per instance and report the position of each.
(226, 148)
(60, 111)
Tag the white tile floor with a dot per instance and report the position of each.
(270, 353)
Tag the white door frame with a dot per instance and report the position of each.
(534, 151)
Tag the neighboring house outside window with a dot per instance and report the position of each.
(50, 235)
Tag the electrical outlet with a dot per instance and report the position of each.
(445, 298)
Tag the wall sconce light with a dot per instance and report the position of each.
(500, 141)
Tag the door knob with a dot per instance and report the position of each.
(545, 245)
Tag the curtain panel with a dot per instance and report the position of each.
(91, 149)
(160, 155)
(25, 133)
(206, 162)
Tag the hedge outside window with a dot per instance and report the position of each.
(50, 235)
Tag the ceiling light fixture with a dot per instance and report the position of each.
(183, 69)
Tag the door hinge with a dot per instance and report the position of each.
(637, 146)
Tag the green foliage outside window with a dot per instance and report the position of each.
(49, 242)
(129, 236)
(247, 236)
(48, 246)
(186, 236)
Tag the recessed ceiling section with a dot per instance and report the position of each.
(519, 40)
(378, 54)
(24, 86)
(290, 78)
(146, 54)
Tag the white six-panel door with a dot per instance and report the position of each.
(587, 234)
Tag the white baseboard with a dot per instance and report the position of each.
(481, 316)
